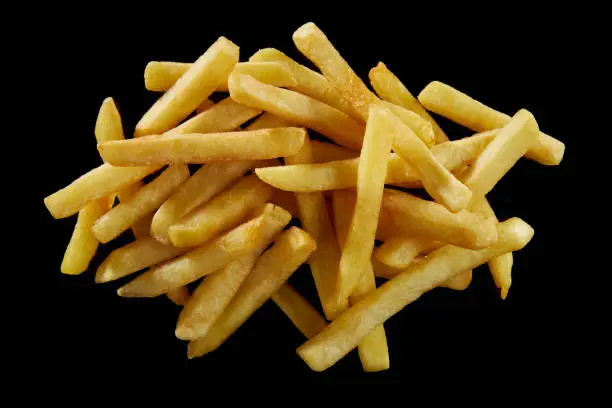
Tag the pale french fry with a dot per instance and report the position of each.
(414, 216)
(323, 152)
(399, 251)
(298, 108)
(204, 184)
(224, 211)
(179, 296)
(458, 282)
(460, 108)
(204, 147)
(419, 126)
(204, 106)
(159, 76)
(371, 173)
(309, 82)
(135, 256)
(274, 73)
(346, 332)
(373, 350)
(271, 271)
(148, 198)
(501, 154)
(190, 90)
(341, 174)
(390, 88)
(216, 291)
(269, 121)
(97, 183)
(325, 260)
(285, 200)
(301, 313)
(437, 180)
(198, 262)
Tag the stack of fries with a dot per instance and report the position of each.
(347, 188)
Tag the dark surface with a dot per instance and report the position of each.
(85, 329)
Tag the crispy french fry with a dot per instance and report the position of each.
(399, 251)
(371, 173)
(269, 121)
(203, 185)
(159, 76)
(135, 256)
(204, 147)
(216, 291)
(97, 183)
(271, 271)
(391, 89)
(285, 200)
(224, 211)
(346, 332)
(325, 260)
(460, 108)
(341, 174)
(373, 350)
(298, 108)
(301, 313)
(190, 90)
(198, 262)
(323, 152)
(148, 198)
(419, 126)
(309, 82)
(274, 73)
(205, 105)
(179, 296)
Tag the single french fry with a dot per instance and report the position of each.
(341, 174)
(148, 198)
(323, 152)
(390, 88)
(285, 200)
(325, 260)
(204, 147)
(201, 261)
(437, 180)
(269, 121)
(142, 227)
(135, 256)
(205, 105)
(399, 251)
(301, 313)
(204, 184)
(216, 291)
(274, 73)
(371, 174)
(97, 183)
(309, 82)
(159, 76)
(108, 122)
(271, 271)
(190, 90)
(458, 282)
(179, 296)
(419, 126)
(373, 350)
(346, 332)
(224, 211)
(460, 108)
(298, 108)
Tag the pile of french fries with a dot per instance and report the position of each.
(225, 224)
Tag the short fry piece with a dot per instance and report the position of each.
(159, 76)
(179, 296)
(399, 251)
(323, 152)
(269, 121)
(108, 122)
(301, 313)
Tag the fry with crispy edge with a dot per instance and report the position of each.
(460, 108)
(346, 332)
(216, 291)
(301, 313)
(271, 271)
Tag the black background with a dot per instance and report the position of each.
(520, 61)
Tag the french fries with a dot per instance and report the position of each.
(346, 332)
(142, 227)
(269, 121)
(159, 76)
(301, 313)
(108, 122)
(460, 108)
(297, 108)
(148, 198)
(204, 147)
(399, 251)
(323, 152)
(195, 85)
(269, 72)
(458, 282)
(179, 296)
(419, 126)
(271, 271)
(205, 105)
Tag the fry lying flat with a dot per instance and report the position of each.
(299, 311)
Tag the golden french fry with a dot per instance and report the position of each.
(458, 282)
(224, 211)
(179, 296)
(203, 185)
(216, 291)
(309, 82)
(271, 271)
(159, 76)
(204, 147)
(190, 90)
(108, 122)
(325, 260)
(135, 256)
(323, 152)
(205, 105)
(460, 108)
(341, 174)
(383, 271)
(142, 227)
(148, 198)
(301, 313)
(274, 73)
(201, 261)
(399, 251)
(391, 89)
(371, 174)
(269, 121)
(298, 108)
(97, 183)
(285, 200)
(419, 126)
(346, 332)
(437, 180)
(373, 350)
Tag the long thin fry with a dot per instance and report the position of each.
(301, 313)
